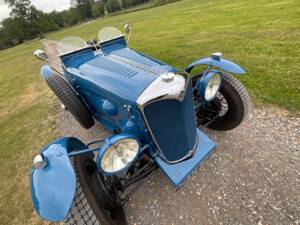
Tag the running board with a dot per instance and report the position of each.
(178, 172)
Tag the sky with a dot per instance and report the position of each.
(44, 5)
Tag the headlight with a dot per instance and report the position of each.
(39, 161)
(120, 153)
(212, 87)
(209, 85)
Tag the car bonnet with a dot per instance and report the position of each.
(121, 71)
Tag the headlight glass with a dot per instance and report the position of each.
(212, 87)
(119, 155)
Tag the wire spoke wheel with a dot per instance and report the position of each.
(224, 105)
(229, 108)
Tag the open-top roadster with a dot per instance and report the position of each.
(156, 112)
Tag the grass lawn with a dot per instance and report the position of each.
(261, 35)
(27, 122)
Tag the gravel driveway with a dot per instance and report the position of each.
(253, 177)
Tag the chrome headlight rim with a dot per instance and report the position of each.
(203, 85)
(108, 146)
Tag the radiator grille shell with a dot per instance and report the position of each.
(172, 125)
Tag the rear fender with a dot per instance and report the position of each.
(53, 187)
(217, 61)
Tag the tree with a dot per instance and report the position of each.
(21, 10)
(10, 32)
(41, 22)
(125, 4)
(58, 18)
(84, 8)
(74, 16)
(10, 2)
(25, 23)
(101, 7)
(113, 6)
(95, 11)
(163, 2)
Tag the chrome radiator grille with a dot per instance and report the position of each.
(172, 126)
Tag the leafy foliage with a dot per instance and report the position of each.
(137, 2)
(97, 9)
(113, 6)
(163, 2)
(84, 9)
(125, 4)
(26, 22)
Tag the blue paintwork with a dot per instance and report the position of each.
(53, 187)
(46, 71)
(108, 143)
(109, 84)
(202, 83)
(223, 64)
(111, 70)
(109, 108)
(173, 125)
(111, 45)
(109, 81)
(178, 172)
(90, 150)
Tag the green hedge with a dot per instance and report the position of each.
(163, 2)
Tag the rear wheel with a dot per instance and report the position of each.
(230, 107)
(95, 201)
(70, 100)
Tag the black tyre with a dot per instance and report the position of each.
(70, 100)
(94, 203)
(230, 107)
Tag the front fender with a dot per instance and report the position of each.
(53, 187)
(217, 61)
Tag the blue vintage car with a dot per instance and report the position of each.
(156, 112)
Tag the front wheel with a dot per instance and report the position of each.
(230, 107)
(96, 201)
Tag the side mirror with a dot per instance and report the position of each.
(40, 54)
(127, 29)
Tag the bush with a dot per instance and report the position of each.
(125, 4)
(113, 6)
(95, 11)
(163, 2)
(101, 8)
(137, 2)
